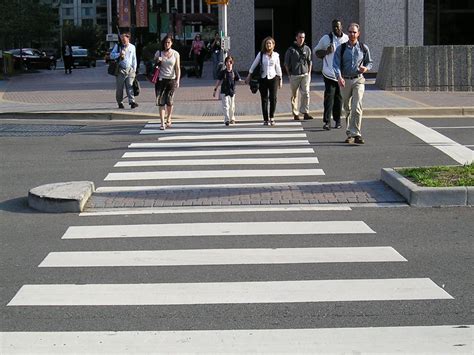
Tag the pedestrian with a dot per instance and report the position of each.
(168, 61)
(269, 80)
(228, 77)
(197, 52)
(332, 93)
(298, 65)
(126, 56)
(216, 54)
(351, 60)
(67, 58)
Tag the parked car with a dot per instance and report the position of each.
(30, 58)
(82, 57)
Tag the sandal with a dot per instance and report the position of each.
(162, 127)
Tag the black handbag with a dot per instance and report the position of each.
(256, 75)
(136, 87)
(113, 68)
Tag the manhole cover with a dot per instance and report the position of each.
(31, 130)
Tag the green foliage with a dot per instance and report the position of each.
(441, 176)
(90, 37)
(26, 21)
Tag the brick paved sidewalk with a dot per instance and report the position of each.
(92, 90)
(250, 195)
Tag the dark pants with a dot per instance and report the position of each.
(198, 64)
(268, 92)
(68, 62)
(332, 101)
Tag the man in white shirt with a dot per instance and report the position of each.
(332, 94)
(126, 56)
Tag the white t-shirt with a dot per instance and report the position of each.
(324, 42)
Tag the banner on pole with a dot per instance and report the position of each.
(124, 13)
(142, 13)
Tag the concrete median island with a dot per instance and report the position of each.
(420, 196)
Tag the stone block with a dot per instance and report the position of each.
(61, 197)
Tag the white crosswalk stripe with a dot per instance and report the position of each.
(217, 229)
(211, 174)
(217, 152)
(219, 162)
(221, 257)
(234, 144)
(233, 136)
(228, 292)
(441, 340)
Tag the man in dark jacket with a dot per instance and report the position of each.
(298, 66)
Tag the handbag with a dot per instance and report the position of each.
(136, 87)
(113, 68)
(156, 75)
(256, 75)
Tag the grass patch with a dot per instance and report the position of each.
(440, 176)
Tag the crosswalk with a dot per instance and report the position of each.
(256, 158)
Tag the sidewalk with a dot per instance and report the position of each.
(89, 93)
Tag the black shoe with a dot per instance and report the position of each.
(359, 140)
(326, 127)
(296, 117)
(120, 105)
(133, 105)
(349, 140)
(226, 123)
(307, 116)
(337, 125)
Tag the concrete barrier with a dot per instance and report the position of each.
(427, 68)
(61, 197)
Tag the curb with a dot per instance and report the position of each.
(113, 115)
(419, 196)
(61, 197)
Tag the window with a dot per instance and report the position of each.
(87, 1)
(67, 12)
(87, 11)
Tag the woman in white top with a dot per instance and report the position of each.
(270, 78)
(170, 73)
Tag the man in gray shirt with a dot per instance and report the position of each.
(351, 61)
(298, 66)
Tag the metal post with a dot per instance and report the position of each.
(109, 16)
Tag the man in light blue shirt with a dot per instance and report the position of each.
(351, 61)
(126, 56)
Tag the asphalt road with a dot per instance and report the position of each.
(436, 242)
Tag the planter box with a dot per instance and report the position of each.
(420, 196)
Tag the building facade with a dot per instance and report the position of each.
(383, 23)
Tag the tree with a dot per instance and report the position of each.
(26, 21)
(90, 37)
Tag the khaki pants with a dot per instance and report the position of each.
(301, 83)
(352, 94)
(228, 106)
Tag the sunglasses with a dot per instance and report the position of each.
(353, 32)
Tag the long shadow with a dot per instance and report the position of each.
(17, 205)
